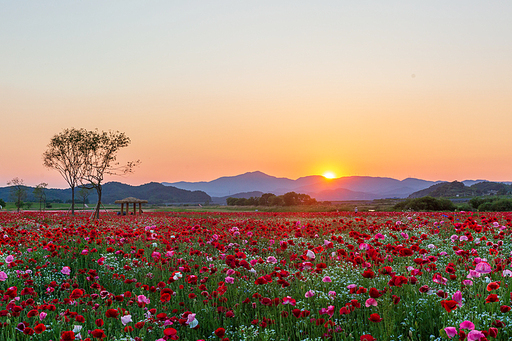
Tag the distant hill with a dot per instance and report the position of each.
(345, 188)
(154, 192)
(456, 188)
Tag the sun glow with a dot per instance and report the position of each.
(329, 175)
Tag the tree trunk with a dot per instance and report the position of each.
(72, 200)
(98, 205)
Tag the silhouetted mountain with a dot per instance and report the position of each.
(459, 189)
(154, 192)
(336, 189)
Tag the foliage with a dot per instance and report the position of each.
(2, 203)
(100, 159)
(67, 153)
(18, 192)
(426, 204)
(491, 204)
(269, 199)
(40, 194)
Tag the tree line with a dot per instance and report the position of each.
(270, 199)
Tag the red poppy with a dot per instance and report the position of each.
(220, 332)
(504, 308)
(98, 334)
(492, 298)
(449, 305)
(367, 337)
(67, 336)
(170, 331)
(111, 313)
(493, 286)
(375, 318)
(39, 328)
(99, 322)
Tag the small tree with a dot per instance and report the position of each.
(100, 160)
(18, 192)
(83, 193)
(2, 204)
(67, 152)
(40, 194)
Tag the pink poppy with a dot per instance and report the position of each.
(467, 325)
(483, 268)
(475, 335)
(3, 276)
(327, 279)
(309, 293)
(371, 302)
(66, 270)
(450, 331)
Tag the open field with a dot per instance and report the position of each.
(255, 276)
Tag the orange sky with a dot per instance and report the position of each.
(207, 90)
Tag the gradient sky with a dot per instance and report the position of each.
(292, 88)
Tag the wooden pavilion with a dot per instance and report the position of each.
(131, 200)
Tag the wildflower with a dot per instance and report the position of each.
(126, 319)
(98, 334)
(375, 318)
(3, 276)
(310, 254)
(66, 270)
(492, 298)
(371, 302)
(493, 286)
(229, 280)
(42, 315)
(483, 268)
(450, 331)
(67, 336)
(220, 332)
(289, 300)
(366, 337)
(309, 294)
(449, 305)
(271, 260)
(327, 279)
(467, 325)
(475, 335)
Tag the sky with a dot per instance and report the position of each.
(206, 89)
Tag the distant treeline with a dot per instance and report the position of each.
(489, 204)
(270, 199)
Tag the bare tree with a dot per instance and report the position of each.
(18, 192)
(40, 194)
(101, 155)
(67, 153)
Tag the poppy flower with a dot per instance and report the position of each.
(504, 308)
(98, 333)
(492, 298)
(220, 332)
(450, 331)
(375, 318)
(366, 337)
(39, 328)
(67, 336)
(493, 286)
(449, 305)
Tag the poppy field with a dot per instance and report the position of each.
(256, 276)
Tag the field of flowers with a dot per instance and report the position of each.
(256, 276)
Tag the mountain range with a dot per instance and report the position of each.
(316, 186)
(154, 192)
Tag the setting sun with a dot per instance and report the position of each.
(329, 175)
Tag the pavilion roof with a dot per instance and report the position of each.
(131, 200)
